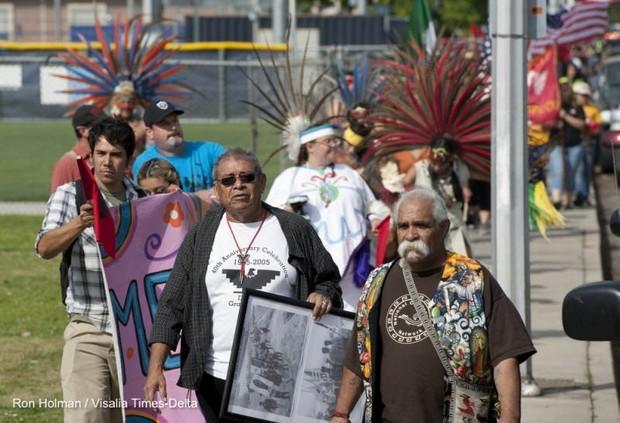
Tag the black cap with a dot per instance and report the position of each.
(158, 110)
(85, 116)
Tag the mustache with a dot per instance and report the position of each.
(418, 247)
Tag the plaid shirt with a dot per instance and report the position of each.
(86, 294)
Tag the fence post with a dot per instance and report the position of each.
(252, 110)
(221, 85)
(57, 20)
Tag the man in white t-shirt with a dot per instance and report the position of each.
(243, 243)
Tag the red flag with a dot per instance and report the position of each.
(104, 224)
(383, 235)
(543, 103)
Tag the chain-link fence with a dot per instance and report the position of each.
(29, 89)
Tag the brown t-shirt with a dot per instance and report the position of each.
(411, 377)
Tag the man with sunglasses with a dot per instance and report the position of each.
(244, 242)
(193, 160)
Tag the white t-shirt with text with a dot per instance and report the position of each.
(267, 268)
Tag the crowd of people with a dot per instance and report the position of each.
(196, 305)
(566, 150)
(435, 338)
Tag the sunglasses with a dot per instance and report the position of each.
(230, 180)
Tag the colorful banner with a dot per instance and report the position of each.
(149, 232)
(543, 104)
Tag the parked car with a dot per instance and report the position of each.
(610, 144)
(610, 105)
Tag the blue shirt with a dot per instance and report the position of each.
(194, 165)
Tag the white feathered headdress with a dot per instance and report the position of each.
(289, 108)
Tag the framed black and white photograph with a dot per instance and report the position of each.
(285, 367)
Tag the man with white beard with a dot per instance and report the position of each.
(193, 160)
(435, 338)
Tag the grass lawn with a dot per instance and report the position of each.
(29, 151)
(32, 321)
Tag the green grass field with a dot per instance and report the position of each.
(29, 150)
(32, 320)
(32, 317)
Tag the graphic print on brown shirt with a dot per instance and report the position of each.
(412, 377)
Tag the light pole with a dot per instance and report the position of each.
(510, 234)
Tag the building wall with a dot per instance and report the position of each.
(35, 20)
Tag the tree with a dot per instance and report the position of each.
(460, 14)
(451, 15)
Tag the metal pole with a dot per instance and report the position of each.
(253, 16)
(221, 85)
(252, 99)
(57, 20)
(147, 11)
(278, 21)
(292, 10)
(43, 20)
(360, 7)
(195, 23)
(510, 234)
(554, 6)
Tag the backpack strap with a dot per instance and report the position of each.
(65, 263)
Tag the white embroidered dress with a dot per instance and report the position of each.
(338, 206)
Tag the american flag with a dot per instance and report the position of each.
(582, 22)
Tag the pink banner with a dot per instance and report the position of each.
(543, 104)
(149, 232)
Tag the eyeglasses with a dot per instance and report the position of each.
(332, 142)
(245, 178)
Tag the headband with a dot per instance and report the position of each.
(317, 132)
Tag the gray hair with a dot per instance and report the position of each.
(238, 153)
(440, 212)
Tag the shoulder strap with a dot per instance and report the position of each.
(422, 312)
(429, 327)
(65, 263)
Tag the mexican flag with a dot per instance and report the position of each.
(420, 25)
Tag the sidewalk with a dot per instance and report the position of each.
(23, 208)
(576, 376)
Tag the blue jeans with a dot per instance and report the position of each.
(583, 176)
(555, 168)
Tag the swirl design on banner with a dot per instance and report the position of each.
(151, 247)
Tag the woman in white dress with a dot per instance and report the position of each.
(336, 201)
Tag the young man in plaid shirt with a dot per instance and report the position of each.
(88, 369)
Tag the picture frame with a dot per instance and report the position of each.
(285, 366)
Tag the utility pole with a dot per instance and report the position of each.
(510, 234)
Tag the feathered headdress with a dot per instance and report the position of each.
(431, 95)
(290, 108)
(129, 69)
(359, 92)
